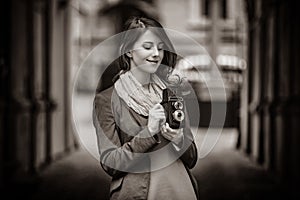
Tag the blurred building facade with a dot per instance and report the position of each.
(36, 124)
(271, 134)
(41, 51)
(218, 26)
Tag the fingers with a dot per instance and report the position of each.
(158, 112)
(158, 106)
(158, 109)
(170, 133)
(163, 129)
(169, 129)
(156, 118)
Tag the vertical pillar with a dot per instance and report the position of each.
(195, 10)
(70, 142)
(276, 133)
(262, 101)
(5, 11)
(215, 32)
(269, 94)
(59, 81)
(232, 5)
(254, 122)
(56, 75)
(50, 104)
(19, 119)
(38, 85)
(254, 118)
(281, 90)
(251, 49)
(293, 105)
(241, 24)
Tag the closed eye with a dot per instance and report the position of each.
(148, 45)
(160, 46)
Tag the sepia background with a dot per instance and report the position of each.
(254, 44)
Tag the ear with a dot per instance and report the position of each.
(129, 54)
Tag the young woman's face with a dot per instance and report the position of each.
(147, 53)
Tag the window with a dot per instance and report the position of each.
(206, 8)
(223, 8)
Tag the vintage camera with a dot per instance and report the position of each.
(174, 108)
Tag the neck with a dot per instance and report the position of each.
(142, 77)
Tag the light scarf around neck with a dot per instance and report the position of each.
(137, 97)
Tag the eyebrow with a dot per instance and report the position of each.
(152, 42)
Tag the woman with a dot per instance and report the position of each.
(146, 158)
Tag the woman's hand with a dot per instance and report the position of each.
(174, 135)
(156, 118)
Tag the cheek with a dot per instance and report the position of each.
(140, 55)
(161, 56)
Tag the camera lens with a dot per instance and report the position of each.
(178, 105)
(178, 115)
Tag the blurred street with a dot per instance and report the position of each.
(224, 174)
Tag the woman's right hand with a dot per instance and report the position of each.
(156, 118)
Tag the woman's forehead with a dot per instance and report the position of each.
(149, 36)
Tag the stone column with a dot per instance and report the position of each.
(19, 117)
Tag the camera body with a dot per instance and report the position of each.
(174, 108)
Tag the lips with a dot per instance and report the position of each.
(153, 61)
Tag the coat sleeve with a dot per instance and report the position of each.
(190, 155)
(114, 156)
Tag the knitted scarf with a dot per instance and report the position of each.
(137, 97)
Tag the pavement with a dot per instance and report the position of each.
(222, 173)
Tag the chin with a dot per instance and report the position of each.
(150, 69)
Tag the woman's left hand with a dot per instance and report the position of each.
(174, 135)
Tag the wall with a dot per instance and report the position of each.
(272, 137)
(35, 106)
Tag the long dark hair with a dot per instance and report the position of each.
(139, 25)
